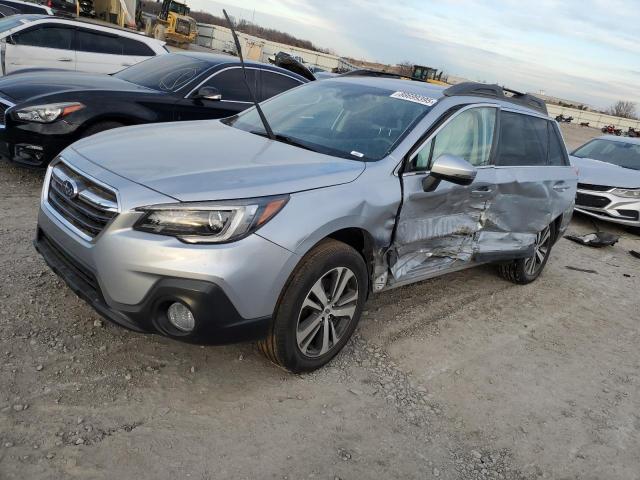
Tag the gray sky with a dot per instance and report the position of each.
(584, 50)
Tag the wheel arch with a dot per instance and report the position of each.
(359, 239)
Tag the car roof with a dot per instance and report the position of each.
(29, 17)
(122, 32)
(219, 58)
(613, 138)
(214, 59)
(409, 86)
(436, 92)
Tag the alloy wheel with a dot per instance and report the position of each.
(541, 250)
(327, 311)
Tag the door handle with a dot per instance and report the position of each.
(65, 59)
(126, 64)
(561, 187)
(482, 191)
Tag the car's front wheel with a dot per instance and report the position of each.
(526, 270)
(319, 308)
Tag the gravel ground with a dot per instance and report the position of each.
(461, 377)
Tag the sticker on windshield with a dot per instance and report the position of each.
(416, 98)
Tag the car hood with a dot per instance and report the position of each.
(596, 172)
(21, 87)
(208, 160)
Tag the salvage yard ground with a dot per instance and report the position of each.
(464, 376)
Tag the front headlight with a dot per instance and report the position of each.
(627, 192)
(210, 222)
(47, 113)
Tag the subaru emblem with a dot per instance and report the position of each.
(70, 189)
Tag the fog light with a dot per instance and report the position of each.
(181, 317)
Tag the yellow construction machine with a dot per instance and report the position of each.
(173, 24)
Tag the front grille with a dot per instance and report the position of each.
(595, 188)
(3, 108)
(182, 26)
(84, 204)
(586, 200)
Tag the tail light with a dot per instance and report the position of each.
(49, 3)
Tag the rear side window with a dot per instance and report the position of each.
(274, 83)
(135, 48)
(98, 43)
(523, 140)
(557, 151)
(230, 84)
(46, 37)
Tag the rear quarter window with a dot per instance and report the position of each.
(557, 151)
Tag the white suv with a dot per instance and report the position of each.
(39, 41)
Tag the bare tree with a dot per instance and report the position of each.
(405, 68)
(623, 109)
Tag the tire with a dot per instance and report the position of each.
(100, 127)
(520, 271)
(297, 340)
(160, 32)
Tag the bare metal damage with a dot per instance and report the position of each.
(457, 227)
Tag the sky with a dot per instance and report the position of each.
(582, 50)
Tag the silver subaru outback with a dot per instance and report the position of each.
(219, 231)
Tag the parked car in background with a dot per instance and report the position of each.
(46, 111)
(63, 8)
(609, 185)
(37, 41)
(29, 8)
(217, 231)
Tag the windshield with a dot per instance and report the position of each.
(168, 73)
(338, 118)
(14, 21)
(622, 154)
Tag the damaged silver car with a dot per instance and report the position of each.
(279, 233)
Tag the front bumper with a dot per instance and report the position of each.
(608, 207)
(31, 149)
(218, 320)
(131, 277)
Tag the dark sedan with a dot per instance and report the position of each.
(45, 111)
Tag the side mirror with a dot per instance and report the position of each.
(208, 93)
(450, 168)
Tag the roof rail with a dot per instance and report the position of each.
(496, 91)
(364, 72)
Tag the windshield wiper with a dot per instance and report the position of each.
(284, 139)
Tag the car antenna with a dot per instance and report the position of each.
(267, 127)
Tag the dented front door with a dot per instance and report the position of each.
(438, 231)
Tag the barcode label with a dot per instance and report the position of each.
(416, 98)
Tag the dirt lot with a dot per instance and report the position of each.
(465, 376)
